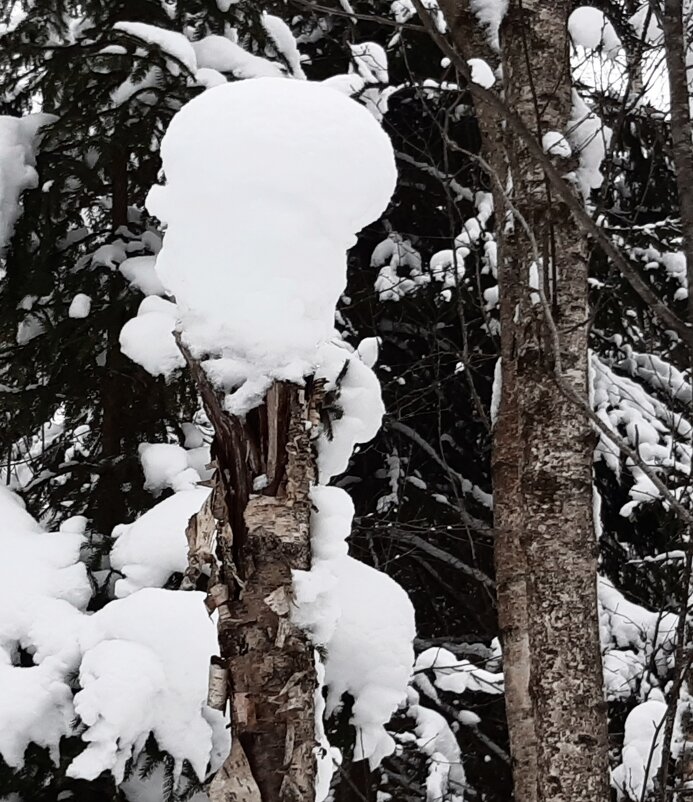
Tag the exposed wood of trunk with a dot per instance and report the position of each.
(260, 540)
(557, 532)
(511, 586)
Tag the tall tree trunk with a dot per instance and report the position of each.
(672, 21)
(556, 526)
(266, 665)
(509, 555)
(673, 24)
(510, 564)
(551, 456)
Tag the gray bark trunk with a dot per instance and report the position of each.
(681, 130)
(556, 526)
(511, 563)
(675, 46)
(509, 556)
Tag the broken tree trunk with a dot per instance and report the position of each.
(266, 665)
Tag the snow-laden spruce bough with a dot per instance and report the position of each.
(267, 182)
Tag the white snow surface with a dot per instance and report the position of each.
(347, 83)
(284, 41)
(400, 271)
(144, 670)
(370, 62)
(142, 661)
(148, 338)
(490, 14)
(555, 144)
(367, 351)
(168, 465)
(43, 590)
(589, 138)
(446, 777)
(267, 183)
(221, 54)
(370, 653)
(455, 675)
(660, 435)
(482, 74)
(653, 35)
(152, 548)
(326, 756)
(448, 266)
(80, 306)
(209, 78)
(641, 756)
(150, 80)
(109, 255)
(361, 405)
(364, 620)
(496, 391)
(635, 640)
(171, 42)
(19, 138)
(13, 15)
(404, 10)
(140, 272)
(591, 29)
(658, 373)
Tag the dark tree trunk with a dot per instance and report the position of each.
(114, 400)
(509, 556)
(545, 544)
(555, 500)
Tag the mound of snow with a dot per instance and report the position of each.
(267, 182)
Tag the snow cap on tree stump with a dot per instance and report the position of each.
(267, 182)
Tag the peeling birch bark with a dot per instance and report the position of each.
(249, 544)
(234, 781)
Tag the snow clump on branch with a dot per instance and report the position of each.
(141, 661)
(281, 177)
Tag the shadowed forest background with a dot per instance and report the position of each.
(491, 108)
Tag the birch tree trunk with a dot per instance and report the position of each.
(266, 665)
(556, 526)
